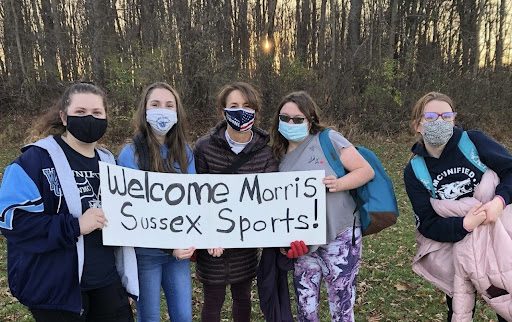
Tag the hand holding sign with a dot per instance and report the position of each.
(216, 252)
(183, 253)
(297, 249)
(92, 219)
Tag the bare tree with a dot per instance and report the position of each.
(50, 43)
(500, 34)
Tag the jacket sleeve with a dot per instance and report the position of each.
(496, 157)
(272, 164)
(463, 297)
(25, 222)
(201, 164)
(428, 222)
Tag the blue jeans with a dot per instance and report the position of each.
(174, 277)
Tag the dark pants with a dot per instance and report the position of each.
(106, 304)
(450, 310)
(214, 296)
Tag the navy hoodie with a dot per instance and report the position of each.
(455, 177)
(41, 234)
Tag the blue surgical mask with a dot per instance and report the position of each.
(240, 119)
(294, 132)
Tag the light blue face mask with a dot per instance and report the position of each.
(293, 132)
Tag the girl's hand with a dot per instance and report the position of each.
(183, 253)
(474, 218)
(332, 183)
(216, 252)
(297, 249)
(92, 219)
(493, 210)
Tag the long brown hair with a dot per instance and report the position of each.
(50, 123)
(419, 107)
(310, 110)
(250, 93)
(175, 139)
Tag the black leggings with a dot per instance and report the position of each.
(450, 310)
(106, 304)
(214, 296)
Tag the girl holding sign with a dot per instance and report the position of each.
(235, 145)
(50, 213)
(160, 145)
(295, 137)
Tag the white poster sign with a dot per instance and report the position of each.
(162, 210)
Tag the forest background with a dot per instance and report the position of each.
(365, 62)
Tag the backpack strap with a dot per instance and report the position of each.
(467, 147)
(333, 158)
(330, 153)
(421, 172)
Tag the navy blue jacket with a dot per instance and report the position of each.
(41, 234)
(455, 177)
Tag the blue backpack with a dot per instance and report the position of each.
(465, 146)
(376, 199)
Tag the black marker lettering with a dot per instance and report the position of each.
(177, 221)
(232, 227)
(123, 212)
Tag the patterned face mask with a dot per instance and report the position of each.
(240, 119)
(437, 133)
(161, 119)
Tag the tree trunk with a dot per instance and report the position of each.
(500, 34)
(50, 43)
(321, 37)
(96, 33)
(354, 27)
(243, 32)
(392, 41)
(468, 12)
(17, 38)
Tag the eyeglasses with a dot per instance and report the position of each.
(432, 116)
(296, 119)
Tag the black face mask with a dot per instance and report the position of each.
(87, 129)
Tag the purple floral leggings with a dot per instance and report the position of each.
(337, 263)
